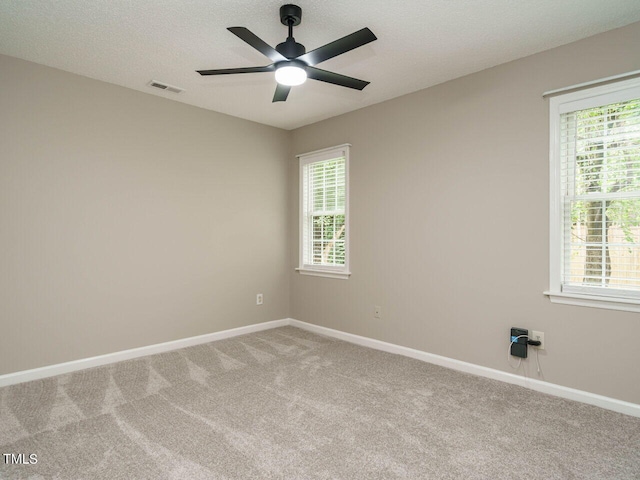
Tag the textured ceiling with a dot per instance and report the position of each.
(419, 44)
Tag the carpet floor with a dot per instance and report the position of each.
(289, 404)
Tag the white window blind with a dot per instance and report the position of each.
(324, 212)
(597, 151)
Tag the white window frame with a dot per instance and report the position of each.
(569, 102)
(340, 272)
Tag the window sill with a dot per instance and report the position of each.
(324, 273)
(609, 303)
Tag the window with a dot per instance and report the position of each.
(595, 197)
(324, 212)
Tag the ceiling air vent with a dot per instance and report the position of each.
(165, 86)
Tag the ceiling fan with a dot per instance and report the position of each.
(292, 64)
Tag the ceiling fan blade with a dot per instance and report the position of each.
(338, 47)
(282, 92)
(227, 71)
(257, 43)
(335, 78)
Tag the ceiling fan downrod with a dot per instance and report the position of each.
(291, 16)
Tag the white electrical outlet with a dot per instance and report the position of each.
(259, 299)
(538, 336)
(377, 311)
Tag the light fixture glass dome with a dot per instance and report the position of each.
(291, 75)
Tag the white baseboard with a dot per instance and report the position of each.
(608, 403)
(537, 385)
(68, 367)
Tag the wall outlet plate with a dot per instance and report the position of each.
(377, 311)
(539, 336)
(259, 299)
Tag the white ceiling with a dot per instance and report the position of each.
(420, 43)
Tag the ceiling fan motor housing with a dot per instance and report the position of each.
(290, 48)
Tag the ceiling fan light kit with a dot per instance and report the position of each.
(291, 62)
(291, 74)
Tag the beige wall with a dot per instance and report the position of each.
(129, 220)
(434, 176)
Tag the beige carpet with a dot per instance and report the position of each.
(288, 404)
